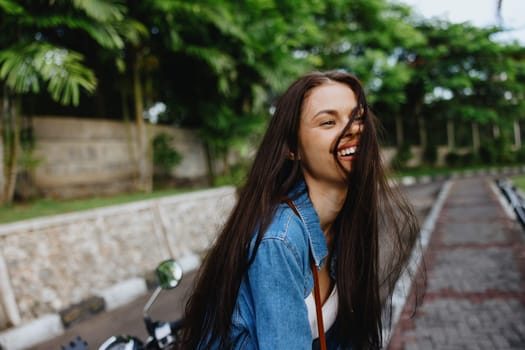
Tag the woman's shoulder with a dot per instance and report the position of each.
(286, 226)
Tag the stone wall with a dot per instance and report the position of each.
(58, 261)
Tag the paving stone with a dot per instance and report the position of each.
(481, 232)
(475, 283)
(447, 323)
(475, 270)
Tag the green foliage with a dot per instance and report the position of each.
(24, 66)
(101, 10)
(497, 151)
(165, 156)
(11, 7)
(520, 156)
(430, 154)
(455, 159)
(403, 155)
(26, 63)
(219, 65)
(28, 161)
(519, 181)
(236, 177)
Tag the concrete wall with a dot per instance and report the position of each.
(52, 263)
(82, 157)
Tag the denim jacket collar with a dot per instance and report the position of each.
(301, 199)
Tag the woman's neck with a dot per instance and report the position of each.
(327, 201)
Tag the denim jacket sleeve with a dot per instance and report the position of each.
(277, 283)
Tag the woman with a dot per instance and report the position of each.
(316, 192)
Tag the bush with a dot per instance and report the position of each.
(430, 154)
(488, 153)
(403, 155)
(520, 155)
(165, 156)
(499, 151)
(469, 159)
(453, 159)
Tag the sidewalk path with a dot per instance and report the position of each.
(475, 268)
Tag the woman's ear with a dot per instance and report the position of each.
(293, 156)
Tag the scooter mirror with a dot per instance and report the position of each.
(169, 274)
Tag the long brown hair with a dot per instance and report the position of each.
(362, 284)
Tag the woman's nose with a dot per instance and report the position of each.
(355, 128)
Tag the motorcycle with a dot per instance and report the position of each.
(161, 335)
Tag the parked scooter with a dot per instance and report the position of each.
(162, 335)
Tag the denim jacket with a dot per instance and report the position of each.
(271, 311)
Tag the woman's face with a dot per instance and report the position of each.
(326, 111)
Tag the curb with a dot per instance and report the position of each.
(32, 333)
(50, 326)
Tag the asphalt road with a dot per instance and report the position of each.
(169, 305)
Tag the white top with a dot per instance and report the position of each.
(329, 312)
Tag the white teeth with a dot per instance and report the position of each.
(347, 151)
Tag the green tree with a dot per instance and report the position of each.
(40, 53)
(24, 67)
(462, 75)
(368, 38)
(222, 61)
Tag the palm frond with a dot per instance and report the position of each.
(218, 14)
(11, 7)
(18, 72)
(102, 10)
(105, 34)
(25, 66)
(132, 31)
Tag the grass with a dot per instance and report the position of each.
(46, 207)
(519, 181)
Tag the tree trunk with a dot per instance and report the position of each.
(144, 171)
(227, 169)
(400, 138)
(13, 149)
(451, 135)
(130, 140)
(496, 131)
(475, 137)
(209, 163)
(421, 124)
(3, 119)
(422, 132)
(517, 135)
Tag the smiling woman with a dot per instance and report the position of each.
(307, 224)
(329, 111)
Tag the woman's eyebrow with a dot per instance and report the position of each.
(325, 111)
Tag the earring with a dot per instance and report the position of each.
(291, 155)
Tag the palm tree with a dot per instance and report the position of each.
(32, 59)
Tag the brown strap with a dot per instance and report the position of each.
(318, 309)
(317, 292)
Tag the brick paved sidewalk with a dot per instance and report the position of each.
(475, 265)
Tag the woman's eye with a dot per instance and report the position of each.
(327, 122)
